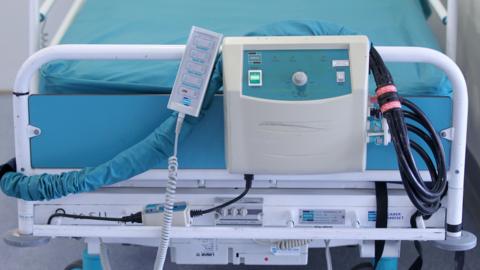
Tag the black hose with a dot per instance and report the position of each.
(425, 196)
(133, 218)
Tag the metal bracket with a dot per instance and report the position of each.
(448, 134)
(382, 135)
(34, 131)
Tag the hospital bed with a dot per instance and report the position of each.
(83, 112)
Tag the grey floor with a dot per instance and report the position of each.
(60, 252)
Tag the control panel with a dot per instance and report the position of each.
(194, 72)
(295, 105)
(296, 74)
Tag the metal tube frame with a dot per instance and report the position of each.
(171, 52)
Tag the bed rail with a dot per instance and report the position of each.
(170, 52)
(440, 9)
(38, 14)
(452, 29)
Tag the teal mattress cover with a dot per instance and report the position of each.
(385, 22)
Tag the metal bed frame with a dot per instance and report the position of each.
(30, 224)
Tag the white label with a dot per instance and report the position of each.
(340, 63)
(208, 247)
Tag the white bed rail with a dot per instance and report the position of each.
(38, 14)
(440, 9)
(68, 20)
(259, 233)
(170, 52)
(452, 29)
(45, 9)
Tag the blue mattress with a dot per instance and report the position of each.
(386, 22)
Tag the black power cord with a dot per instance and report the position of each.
(133, 218)
(248, 185)
(137, 217)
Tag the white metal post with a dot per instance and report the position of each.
(25, 209)
(67, 21)
(452, 29)
(33, 26)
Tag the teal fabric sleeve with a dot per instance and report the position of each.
(127, 164)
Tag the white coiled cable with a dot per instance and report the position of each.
(328, 255)
(293, 243)
(169, 200)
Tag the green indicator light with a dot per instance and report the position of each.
(255, 78)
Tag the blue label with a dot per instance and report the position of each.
(372, 216)
(158, 208)
(187, 101)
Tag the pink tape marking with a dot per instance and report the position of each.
(390, 105)
(386, 89)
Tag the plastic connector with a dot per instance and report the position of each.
(152, 215)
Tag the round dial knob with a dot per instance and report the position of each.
(299, 78)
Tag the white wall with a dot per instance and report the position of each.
(13, 39)
(469, 61)
(14, 35)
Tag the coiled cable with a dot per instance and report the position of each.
(169, 199)
(328, 255)
(293, 243)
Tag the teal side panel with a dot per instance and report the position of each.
(277, 67)
(82, 131)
